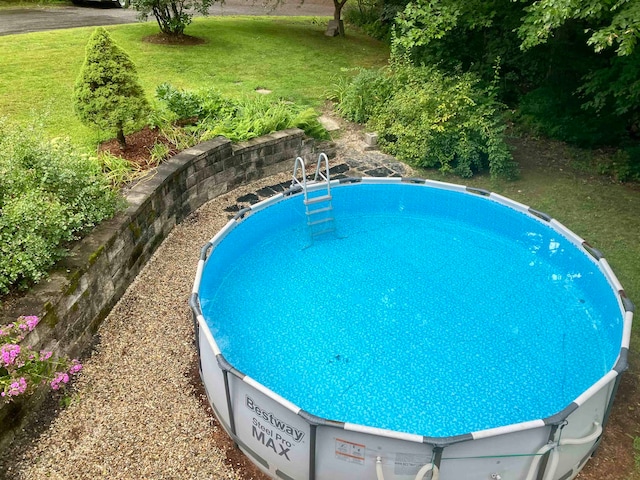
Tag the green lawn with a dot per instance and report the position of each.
(289, 55)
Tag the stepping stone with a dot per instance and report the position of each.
(329, 123)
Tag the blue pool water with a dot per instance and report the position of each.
(432, 312)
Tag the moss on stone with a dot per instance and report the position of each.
(50, 316)
(95, 255)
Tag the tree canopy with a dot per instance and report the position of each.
(173, 16)
(609, 23)
(573, 63)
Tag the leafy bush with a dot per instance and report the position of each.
(190, 105)
(50, 194)
(623, 165)
(429, 119)
(367, 91)
(374, 17)
(238, 120)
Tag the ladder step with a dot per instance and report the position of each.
(322, 232)
(323, 198)
(318, 222)
(319, 210)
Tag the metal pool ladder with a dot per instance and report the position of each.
(319, 209)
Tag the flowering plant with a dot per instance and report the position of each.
(22, 369)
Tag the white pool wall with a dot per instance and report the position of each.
(288, 443)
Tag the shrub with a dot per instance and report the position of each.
(429, 119)
(50, 194)
(374, 17)
(623, 165)
(107, 93)
(238, 120)
(189, 105)
(367, 92)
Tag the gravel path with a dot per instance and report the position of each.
(136, 411)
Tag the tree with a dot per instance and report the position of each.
(107, 93)
(609, 22)
(173, 16)
(575, 57)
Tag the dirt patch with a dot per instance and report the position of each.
(234, 457)
(138, 148)
(166, 39)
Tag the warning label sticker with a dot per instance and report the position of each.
(349, 451)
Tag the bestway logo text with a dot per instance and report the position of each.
(284, 427)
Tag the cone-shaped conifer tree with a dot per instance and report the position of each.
(107, 93)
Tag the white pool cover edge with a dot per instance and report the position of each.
(288, 443)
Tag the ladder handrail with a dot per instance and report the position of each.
(324, 176)
(294, 181)
(299, 163)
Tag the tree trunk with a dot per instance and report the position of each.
(121, 140)
(336, 26)
(337, 9)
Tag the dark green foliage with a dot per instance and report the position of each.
(238, 120)
(359, 99)
(430, 119)
(50, 193)
(553, 55)
(610, 23)
(374, 17)
(107, 93)
(624, 165)
(190, 105)
(173, 16)
(548, 111)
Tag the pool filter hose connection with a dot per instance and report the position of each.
(555, 457)
(429, 467)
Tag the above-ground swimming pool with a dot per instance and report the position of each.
(432, 331)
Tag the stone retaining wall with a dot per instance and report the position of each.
(78, 295)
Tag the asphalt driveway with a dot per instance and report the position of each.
(25, 20)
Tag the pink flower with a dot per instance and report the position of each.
(76, 367)
(61, 377)
(16, 388)
(32, 321)
(9, 353)
(45, 355)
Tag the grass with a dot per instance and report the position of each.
(290, 56)
(20, 4)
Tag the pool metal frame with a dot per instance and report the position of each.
(273, 432)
